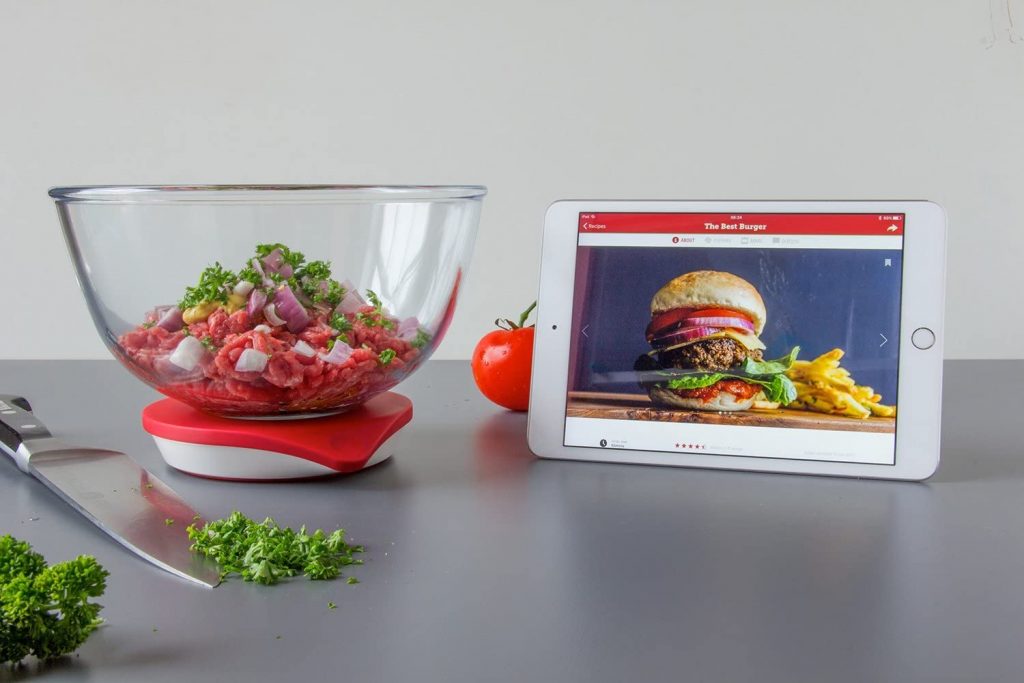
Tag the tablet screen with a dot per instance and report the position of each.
(758, 335)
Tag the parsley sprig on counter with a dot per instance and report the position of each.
(264, 552)
(45, 610)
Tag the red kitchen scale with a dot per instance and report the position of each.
(240, 449)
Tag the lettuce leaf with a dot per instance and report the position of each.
(696, 381)
(777, 388)
(770, 367)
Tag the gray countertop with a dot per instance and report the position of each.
(485, 564)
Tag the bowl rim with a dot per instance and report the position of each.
(280, 193)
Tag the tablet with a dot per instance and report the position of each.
(795, 336)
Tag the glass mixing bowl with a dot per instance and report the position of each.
(278, 300)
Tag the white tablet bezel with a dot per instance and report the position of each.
(920, 371)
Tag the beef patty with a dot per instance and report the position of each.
(716, 355)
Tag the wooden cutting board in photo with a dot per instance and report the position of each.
(638, 407)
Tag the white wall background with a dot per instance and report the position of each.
(539, 101)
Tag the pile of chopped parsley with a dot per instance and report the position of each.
(264, 552)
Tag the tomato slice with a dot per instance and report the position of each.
(718, 313)
(666, 320)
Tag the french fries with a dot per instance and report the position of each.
(824, 387)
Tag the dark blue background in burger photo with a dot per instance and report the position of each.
(817, 299)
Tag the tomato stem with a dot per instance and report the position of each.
(526, 314)
(506, 324)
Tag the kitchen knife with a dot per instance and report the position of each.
(110, 489)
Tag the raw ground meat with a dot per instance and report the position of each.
(290, 382)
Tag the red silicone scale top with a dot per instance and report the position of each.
(343, 442)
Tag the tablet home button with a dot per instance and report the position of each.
(923, 338)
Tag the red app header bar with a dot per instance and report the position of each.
(749, 223)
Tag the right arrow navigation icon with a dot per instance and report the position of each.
(884, 340)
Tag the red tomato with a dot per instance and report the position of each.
(501, 365)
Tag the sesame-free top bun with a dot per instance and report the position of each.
(711, 289)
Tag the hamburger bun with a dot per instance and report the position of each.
(722, 402)
(711, 289)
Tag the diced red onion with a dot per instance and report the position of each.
(158, 311)
(339, 353)
(273, 261)
(286, 270)
(251, 360)
(736, 322)
(243, 288)
(289, 308)
(171, 320)
(257, 300)
(683, 335)
(262, 328)
(351, 302)
(270, 314)
(408, 329)
(267, 282)
(351, 288)
(304, 349)
(187, 353)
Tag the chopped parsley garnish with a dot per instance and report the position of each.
(207, 341)
(211, 287)
(333, 296)
(376, 317)
(331, 605)
(293, 258)
(249, 273)
(148, 324)
(314, 277)
(169, 521)
(421, 339)
(340, 323)
(352, 580)
(386, 356)
(316, 270)
(264, 552)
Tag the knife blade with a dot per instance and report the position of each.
(123, 499)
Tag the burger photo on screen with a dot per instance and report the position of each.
(706, 354)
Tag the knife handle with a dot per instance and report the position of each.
(17, 425)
